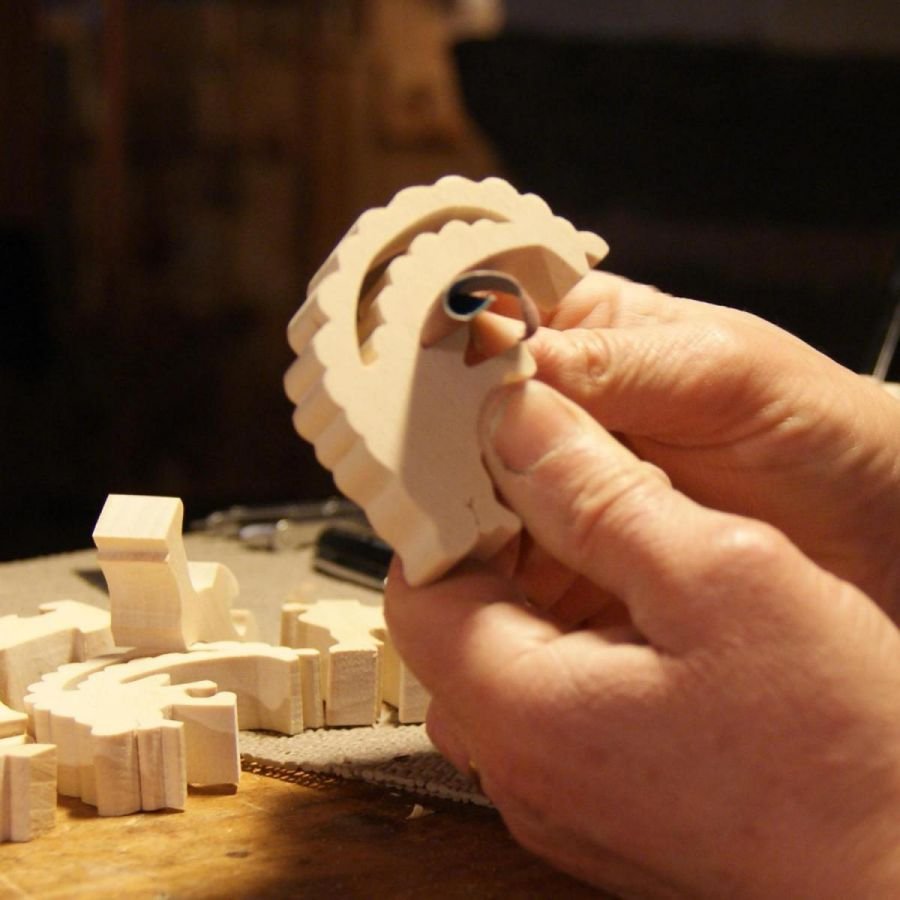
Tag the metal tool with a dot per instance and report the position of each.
(280, 526)
(353, 554)
(888, 348)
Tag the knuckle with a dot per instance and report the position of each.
(721, 340)
(743, 547)
(585, 359)
(611, 501)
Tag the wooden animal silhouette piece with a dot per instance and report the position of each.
(27, 788)
(359, 667)
(31, 646)
(395, 421)
(159, 601)
(126, 747)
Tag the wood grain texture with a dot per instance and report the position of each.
(30, 646)
(27, 790)
(360, 668)
(280, 839)
(159, 601)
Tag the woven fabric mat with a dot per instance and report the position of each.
(399, 756)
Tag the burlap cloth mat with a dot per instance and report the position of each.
(397, 756)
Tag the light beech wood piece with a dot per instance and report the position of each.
(396, 422)
(12, 722)
(27, 780)
(133, 732)
(268, 681)
(126, 747)
(159, 601)
(359, 667)
(31, 646)
(27, 789)
(399, 687)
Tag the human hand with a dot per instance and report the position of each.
(742, 416)
(735, 734)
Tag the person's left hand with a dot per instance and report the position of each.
(663, 700)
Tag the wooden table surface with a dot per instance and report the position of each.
(280, 834)
(306, 837)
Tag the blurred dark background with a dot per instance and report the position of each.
(172, 173)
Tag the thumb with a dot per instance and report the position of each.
(687, 574)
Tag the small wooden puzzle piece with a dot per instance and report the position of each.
(27, 788)
(394, 421)
(274, 686)
(399, 687)
(31, 646)
(27, 780)
(12, 722)
(111, 718)
(159, 601)
(359, 667)
(340, 630)
(126, 747)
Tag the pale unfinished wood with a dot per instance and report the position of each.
(27, 780)
(126, 747)
(396, 423)
(12, 722)
(31, 646)
(27, 789)
(399, 686)
(274, 686)
(359, 667)
(132, 732)
(159, 601)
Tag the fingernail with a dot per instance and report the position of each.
(523, 424)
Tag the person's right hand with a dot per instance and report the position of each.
(741, 416)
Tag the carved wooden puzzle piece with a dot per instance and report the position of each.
(396, 422)
(274, 686)
(133, 732)
(126, 747)
(27, 788)
(12, 722)
(27, 780)
(31, 646)
(359, 667)
(399, 687)
(159, 600)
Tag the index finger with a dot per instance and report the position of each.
(604, 300)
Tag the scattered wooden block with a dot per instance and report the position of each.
(12, 722)
(133, 732)
(396, 422)
(359, 666)
(27, 781)
(340, 632)
(31, 646)
(27, 789)
(270, 683)
(399, 687)
(160, 602)
(126, 747)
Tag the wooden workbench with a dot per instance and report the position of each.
(282, 834)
